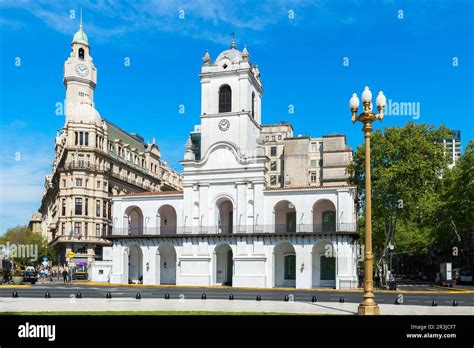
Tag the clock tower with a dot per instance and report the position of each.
(80, 74)
(231, 92)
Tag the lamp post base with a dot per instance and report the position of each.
(371, 309)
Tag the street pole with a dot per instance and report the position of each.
(368, 306)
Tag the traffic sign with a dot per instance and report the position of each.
(45, 258)
(70, 254)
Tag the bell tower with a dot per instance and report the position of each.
(80, 74)
(231, 92)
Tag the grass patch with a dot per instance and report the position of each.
(112, 313)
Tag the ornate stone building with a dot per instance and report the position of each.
(227, 226)
(94, 159)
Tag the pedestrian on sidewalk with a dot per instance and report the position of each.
(65, 275)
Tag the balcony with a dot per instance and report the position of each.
(340, 228)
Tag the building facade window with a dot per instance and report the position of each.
(81, 53)
(97, 208)
(273, 151)
(97, 230)
(98, 184)
(253, 104)
(80, 161)
(78, 206)
(63, 228)
(290, 267)
(225, 99)
(273, 180)
(78, 182)
(86, 207)
(273, 165)
(104, 209)
(86, 138)
(314, 147)
(314, 163)
(314, 177)
(63, 207)
(77, 228)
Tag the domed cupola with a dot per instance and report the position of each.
(80, 36)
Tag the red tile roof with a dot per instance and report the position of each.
(149, 193)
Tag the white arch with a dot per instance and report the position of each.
(133, 221)
(167, 261)
(281, 251)
(285, 214)
(166, 220)
(324, 249)
(135, 264)
(223, 262)
(320, 207)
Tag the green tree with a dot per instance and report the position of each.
(407, 165)
(455, 217)
(22, 235)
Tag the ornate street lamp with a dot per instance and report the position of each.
(368, 305)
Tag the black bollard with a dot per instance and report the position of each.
(258, 298)
(287, 298)
(341, 299)
(434, 303)
(78, 295)
(231, 296)
(138, 296)
(15, 294)
(108, 295)
(167, 296)
(47, 295)
(314, 299)
(455, 303)
(203, 296)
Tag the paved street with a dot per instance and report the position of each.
(444, 296)
(221, 305)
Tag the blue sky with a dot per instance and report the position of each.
(415, 51)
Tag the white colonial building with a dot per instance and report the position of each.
(227, 227)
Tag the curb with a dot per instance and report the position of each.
(459, 291)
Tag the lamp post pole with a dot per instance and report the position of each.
(368, 306)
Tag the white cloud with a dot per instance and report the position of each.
(24, 162)
(204, 19)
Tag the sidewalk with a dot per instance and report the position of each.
(143, 305)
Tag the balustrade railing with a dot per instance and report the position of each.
(227, 230)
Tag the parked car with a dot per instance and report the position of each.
(30, 277)
(464, 276)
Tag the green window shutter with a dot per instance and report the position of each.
(290, 267)
(329, 221)
(328, 268)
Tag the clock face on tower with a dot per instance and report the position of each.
(82, 70)
(224, 125)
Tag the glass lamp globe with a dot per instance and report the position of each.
(366, 95)
(381, 100)
(354, 102)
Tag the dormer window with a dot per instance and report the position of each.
(81, 53)
(225, 99)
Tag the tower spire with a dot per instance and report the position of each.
(232, 45)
